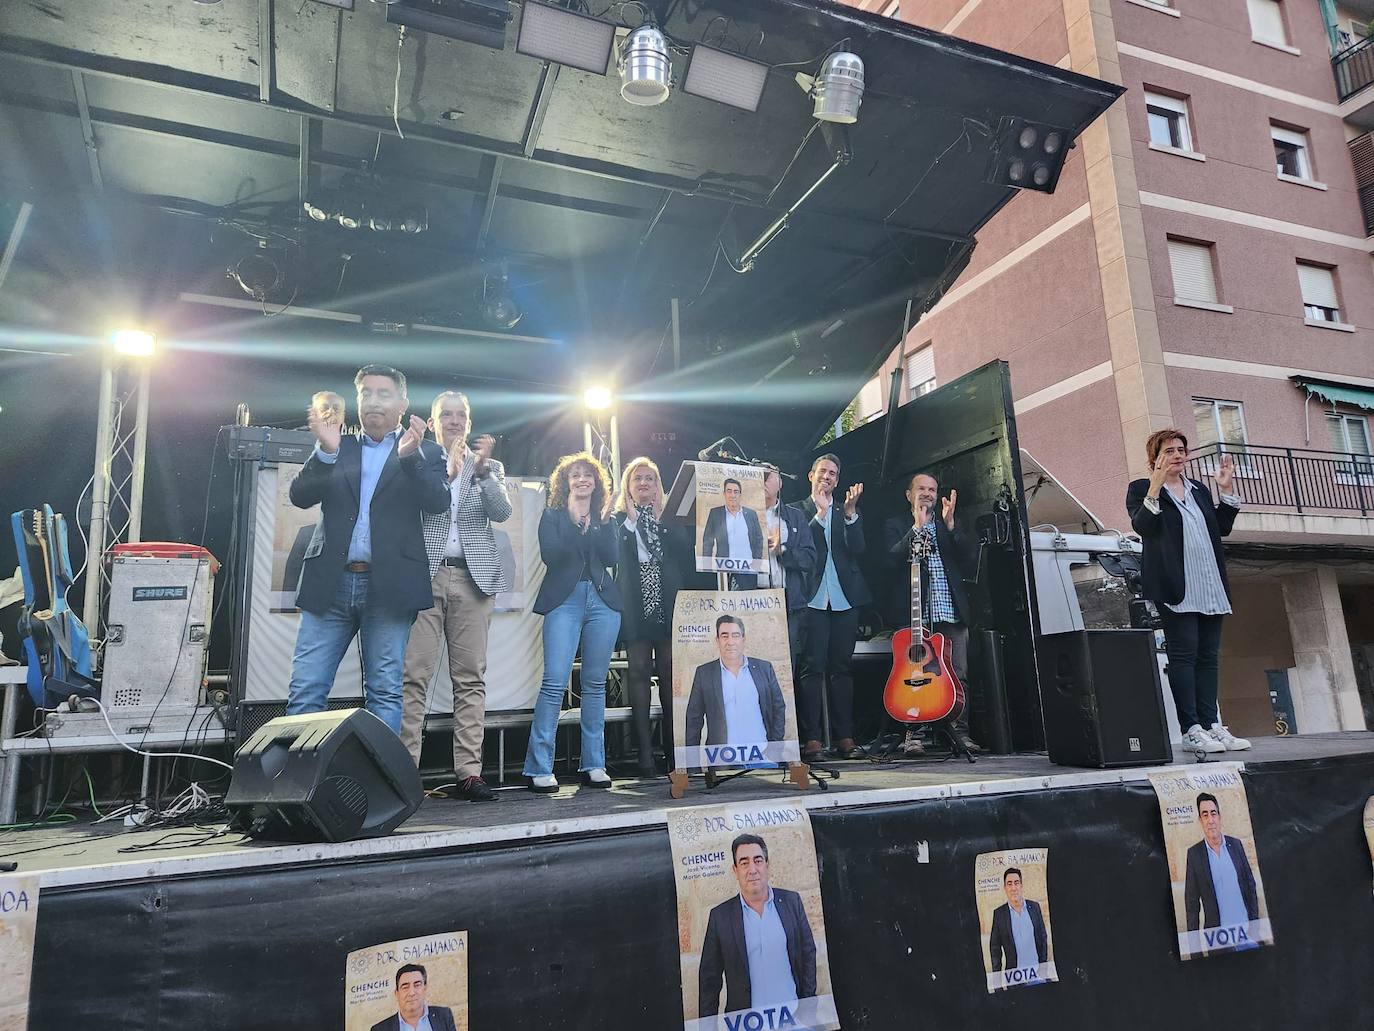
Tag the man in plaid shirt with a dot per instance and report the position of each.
(944, 601)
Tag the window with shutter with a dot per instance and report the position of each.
(871, 400)
(1318, 285)
(1194, 277)
(1291, 152)
(1350, 436)
(1168, 121)
(920, 371)
(1221, 429)
(1266, 21)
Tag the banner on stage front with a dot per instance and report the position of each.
(1369, 826)
(1012, 892)
(730, 524)
(733, 702)
(409, 979)
(18, 919)
(1219, 903)
(751, 932)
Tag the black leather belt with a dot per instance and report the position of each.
(460, 562)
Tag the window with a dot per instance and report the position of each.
(1350, 436)
(1266, 22)
(870, 400)
(1194, 276)
(920, 371)
(893, 10)
(1291, 152)
(1168, 117)
(1318, 284)
(1221, 424)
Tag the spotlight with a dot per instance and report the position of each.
(316, 213)
(379, 223)
(726, 78)
(645, 71)
(839, 89)
(598, 398)
(350, 219)
(136, 343)
(1028, 155)
(258, 275)
(567, 37)
(413, 220)
(496, 304)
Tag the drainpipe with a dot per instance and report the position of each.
(1329, 17)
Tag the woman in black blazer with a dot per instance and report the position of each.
(654, 560)
(579, 602)
(1183, 571)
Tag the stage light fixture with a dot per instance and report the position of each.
(136, 343)
(839, 89)
(258, 275)
(315, 212)
(1028, 155)
(496, 304)
(569, 38)
(597, 398)
(725, 78)
(646, 72)
(413, 220)
(351, 218)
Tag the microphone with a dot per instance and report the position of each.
(716, 452)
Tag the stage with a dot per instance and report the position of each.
(568, 902)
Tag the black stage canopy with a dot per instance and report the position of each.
(162, 142)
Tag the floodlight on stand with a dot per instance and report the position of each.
(566, 37)
(1027, 155)
(597, 398)
(646, 73)
(726, 78)
(136, 343)
(839, 88)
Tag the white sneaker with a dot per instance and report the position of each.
(1198, 740)
(598, 776)
(1228, 740)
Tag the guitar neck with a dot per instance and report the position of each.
(916, 554)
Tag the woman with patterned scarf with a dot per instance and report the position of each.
(653, 562)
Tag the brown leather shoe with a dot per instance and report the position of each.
(845, 748)
(812, 750)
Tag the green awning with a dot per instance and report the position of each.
(1341, 393)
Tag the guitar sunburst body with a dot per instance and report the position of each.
(922, 686)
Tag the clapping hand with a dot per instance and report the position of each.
(947, 509)
(774, 539)
(326, 428)
(851, 500)
(1226, 475)
(410, 439)
(481, 448)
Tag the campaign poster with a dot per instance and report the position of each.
(1369, 826)
(18, 918)
(733, 702)
(1219, 903)
(292, 531)
(1012, 890)
(750, 926)
(730, 523)
(408, 980)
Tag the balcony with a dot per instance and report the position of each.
(1294, 480)
(1354, 71)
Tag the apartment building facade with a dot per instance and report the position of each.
(1204, 263)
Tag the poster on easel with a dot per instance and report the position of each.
(399, 985)
(729, 530)
(751, 931)
(18, 920)
(1013, 896)
(1214, 872)
(1369, 827)
(733, 702)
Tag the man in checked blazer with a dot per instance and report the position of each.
(467, 573)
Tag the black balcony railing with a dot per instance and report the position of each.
(1294, 479)
(1354, 68)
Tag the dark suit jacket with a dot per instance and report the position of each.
(707, 702)
(440, 1018)
(1198, 889)
(677, 570)
(957, 555)
(798, 561)
(716, 541)
(1161, 559)
(849, 545)
(566, 551)
(400, 569)
(723, 953)
(1002, 943)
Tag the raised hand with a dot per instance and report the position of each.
(1226, 475)
(947, 509)
(774, 538)
(326, 429)
(851, 500)
(455, 459)
(481, 448)
(410, 439)
(1157, 475)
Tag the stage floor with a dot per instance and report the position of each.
(82, 854)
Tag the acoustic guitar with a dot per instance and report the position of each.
(922, 687)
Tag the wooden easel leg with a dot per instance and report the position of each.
(678, 779)
(799, 774)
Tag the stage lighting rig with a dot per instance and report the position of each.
(1028, 155)
(566, 37)
(839, 89)
(495, 303)
(646, 71)
(134, 343)
(259, 274)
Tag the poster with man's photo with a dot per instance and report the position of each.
(18, 922)
(1369, 826)
(1012, 891)
(751, 931)
(1214, 871)
(733, 703)
(398, 985)
(730, 524)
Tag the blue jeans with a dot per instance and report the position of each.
(585, 617)
(323, 638)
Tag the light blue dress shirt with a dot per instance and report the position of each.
(1203, 591)
(1023, 935)
(743, 721)
(1230, 903)
(423, 1025)
(375, 454)
(765, 941)
(829, 595)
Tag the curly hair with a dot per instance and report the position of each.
(558, 484)
(623, 503)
